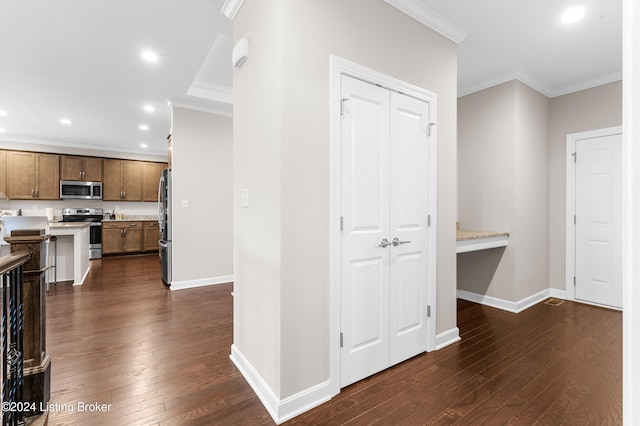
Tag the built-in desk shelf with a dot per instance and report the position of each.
(467, 241)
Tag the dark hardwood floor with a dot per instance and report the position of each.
(162, 358)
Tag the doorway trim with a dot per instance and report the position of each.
(339, 67)
(570, 246)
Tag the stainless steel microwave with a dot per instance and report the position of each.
(80, 190)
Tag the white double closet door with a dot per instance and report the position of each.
(384, 241)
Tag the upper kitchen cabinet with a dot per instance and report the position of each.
(32, 175)
(122, 180)
(151, 178)
(3, 174)
(80, 168)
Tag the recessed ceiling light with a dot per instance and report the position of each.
(149, 56)
(572, 15)
(2, 130)
(65, 121)
(149, 108)
(143, 127)
(144, 145)
(3, 113)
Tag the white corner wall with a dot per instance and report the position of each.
(631, 173)
(203, 179)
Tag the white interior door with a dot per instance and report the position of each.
(408, 207)
(384, 196)
(599, 220)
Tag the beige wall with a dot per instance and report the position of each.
(590, 109)
(532, 191)
(281, 115)
(503, 186)
(202, 174)
(257, 88)
(488, 172)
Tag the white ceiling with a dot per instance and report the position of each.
(81, 60)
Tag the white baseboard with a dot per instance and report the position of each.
(505, 305)
(182, 285)
(447, 338)
(558, 294)
(83, 277)
(285, 409)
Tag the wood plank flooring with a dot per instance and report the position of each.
(162, 358)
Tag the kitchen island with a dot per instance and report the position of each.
(73, 250)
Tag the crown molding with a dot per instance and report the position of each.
(231, 7)
(203, 106)
(430, 18)
(505, 78)
(538, 86)
(211, 91)
(587, 84)
(72, 147)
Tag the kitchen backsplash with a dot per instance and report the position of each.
(129, 210)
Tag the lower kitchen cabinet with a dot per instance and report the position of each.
(121, 237)
(150, 236)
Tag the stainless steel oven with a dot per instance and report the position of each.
(94, 217)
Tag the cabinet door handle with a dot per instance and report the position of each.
(37, 193)
(33, 193)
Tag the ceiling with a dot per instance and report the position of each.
(81, 60)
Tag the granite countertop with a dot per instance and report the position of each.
(132, 218)
(464, 234)
(68, 224)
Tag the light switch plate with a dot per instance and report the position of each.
(244, 197)
(185, 203)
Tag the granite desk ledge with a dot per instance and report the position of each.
(467, 240)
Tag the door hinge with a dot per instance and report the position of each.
(428, 311)
(341, 340)
(574, 281)
(342, 223)
(428, 221)
(429, 128)
(342, 101)
(574, 219)
(575, 157)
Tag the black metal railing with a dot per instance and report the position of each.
(11, 270)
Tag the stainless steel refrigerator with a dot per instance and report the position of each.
(164, 219)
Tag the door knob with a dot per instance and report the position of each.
(396, 242)
(384, 243)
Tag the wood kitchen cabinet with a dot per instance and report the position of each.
(80, 168)
(3, 174)
(151, 173)
(32, 175)
(122, 180)
(121, 237)
(150, 236)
